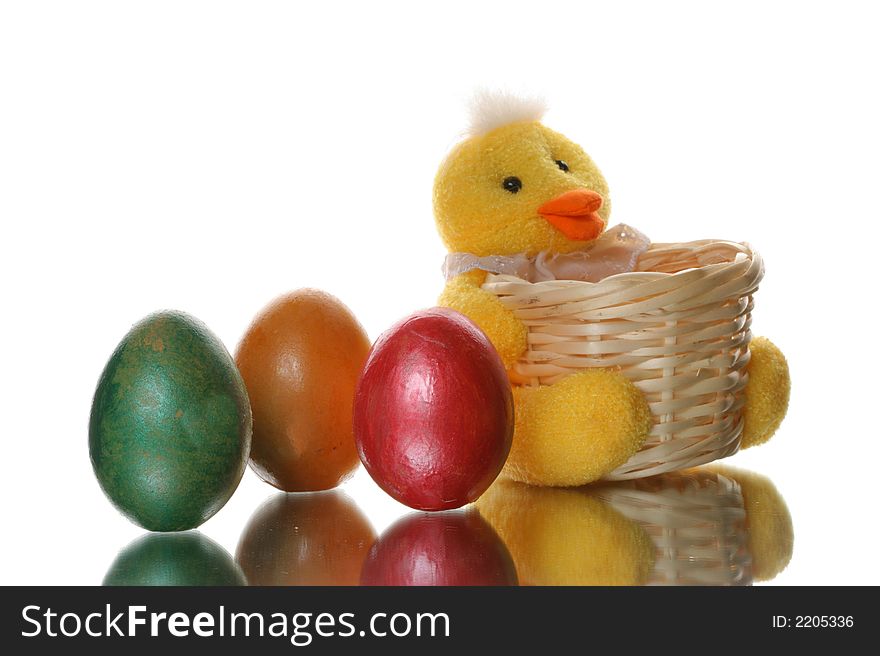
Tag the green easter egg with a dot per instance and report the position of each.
(178, 559)
(170, 429)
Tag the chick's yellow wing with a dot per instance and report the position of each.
(507, 333)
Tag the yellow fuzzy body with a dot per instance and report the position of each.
(582, 427)
(566, 537)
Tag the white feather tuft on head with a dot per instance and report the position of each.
(492, 109)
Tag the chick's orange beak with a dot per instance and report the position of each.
(575, 214)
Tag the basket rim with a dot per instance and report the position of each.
(737, 249)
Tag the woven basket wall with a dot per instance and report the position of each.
(697, 521)
(678, 328)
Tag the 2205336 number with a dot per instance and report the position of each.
(823, 621)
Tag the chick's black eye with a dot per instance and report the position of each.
(512, 184)
(562, 165)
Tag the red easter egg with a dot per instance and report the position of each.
(433, 411)
(452, 548)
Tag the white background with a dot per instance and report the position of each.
(208, 156)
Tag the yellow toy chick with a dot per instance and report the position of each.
(514, 187)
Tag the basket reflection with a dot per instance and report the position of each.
(704, 526)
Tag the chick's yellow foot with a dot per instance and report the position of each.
(576, 430)
(767, 392)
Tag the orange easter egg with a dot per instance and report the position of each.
(300, 361)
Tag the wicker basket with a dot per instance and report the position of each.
(697, 522)
(677, 327)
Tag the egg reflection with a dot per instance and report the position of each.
(452, 548)
(318, 538)
(706, 526)
(189, 558)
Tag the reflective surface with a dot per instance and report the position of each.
(313, 538)
(712, 525)
(707, 526)
(174, 559)
(455, 547)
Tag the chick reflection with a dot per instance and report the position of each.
(174, 559)
(706, 526)
(455, 547)
(316, 538)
